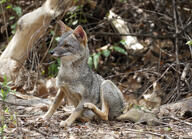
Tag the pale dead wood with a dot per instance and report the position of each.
(18, 99)
(121, 27)
(180, 108)
(185, 71)
(176, 46)
(30, 27)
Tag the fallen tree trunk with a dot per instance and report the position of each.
(181, 108)
(30, 28)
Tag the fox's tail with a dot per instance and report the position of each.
(139, 116)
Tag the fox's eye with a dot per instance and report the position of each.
(66, 45)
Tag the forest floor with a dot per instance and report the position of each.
(28, 127)
(154, 69)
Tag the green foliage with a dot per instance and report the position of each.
(13, 27)
(106, 53)
(52, 32)
(123, 42)
(5, 89)
(75, 17)
(17, 10)
(119, 49)
(123, 0)
(94, 58)
(3, 1)
(76, 1)
(53, 68)
(4, 126)
(167, 128)
(90, 62)
(12, 8)
(137, 107)
(189, 43)
(57, 39)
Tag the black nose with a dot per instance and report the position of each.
(52, 52)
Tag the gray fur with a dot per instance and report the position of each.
(80, 84)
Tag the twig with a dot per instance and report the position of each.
(39, 131)
(177, 119)
(184, 28)
(148, 132)
(171, 36)
(156, 80)
(48, 47)
(4, 19)
(21, 116)
(183, 31)
(176, 46)
(10, 103)
(190, 50)
(185, 71)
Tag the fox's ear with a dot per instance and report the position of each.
(64, 28)
(80, 34)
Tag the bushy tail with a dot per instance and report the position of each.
(139, 116)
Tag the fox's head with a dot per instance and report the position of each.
(72, 45)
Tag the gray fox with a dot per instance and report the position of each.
(92, 96)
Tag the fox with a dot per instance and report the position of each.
(92, 96)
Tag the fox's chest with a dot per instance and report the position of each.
(73, 91)
(74, 87)
(72, 78)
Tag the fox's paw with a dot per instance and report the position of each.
(65, 123)
(47, 116)
(89, 106)
(43, 117)
(40, 118)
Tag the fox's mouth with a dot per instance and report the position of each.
(61, 55)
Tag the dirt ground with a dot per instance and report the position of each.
(28, 127)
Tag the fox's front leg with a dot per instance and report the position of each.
(56, 103)
(75, 114)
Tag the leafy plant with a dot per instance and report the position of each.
(95, 57)
(5, 89)
(53, 68)
(189, 43)
(4, 126)
(119, 49)
(3, 1)
(16, 9)
(76, 17)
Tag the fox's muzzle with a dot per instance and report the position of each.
(59, 52)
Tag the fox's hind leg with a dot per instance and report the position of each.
(56, 103)
(104, 112)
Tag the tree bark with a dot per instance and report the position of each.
(30, 28)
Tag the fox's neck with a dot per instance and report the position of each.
(74, 69)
